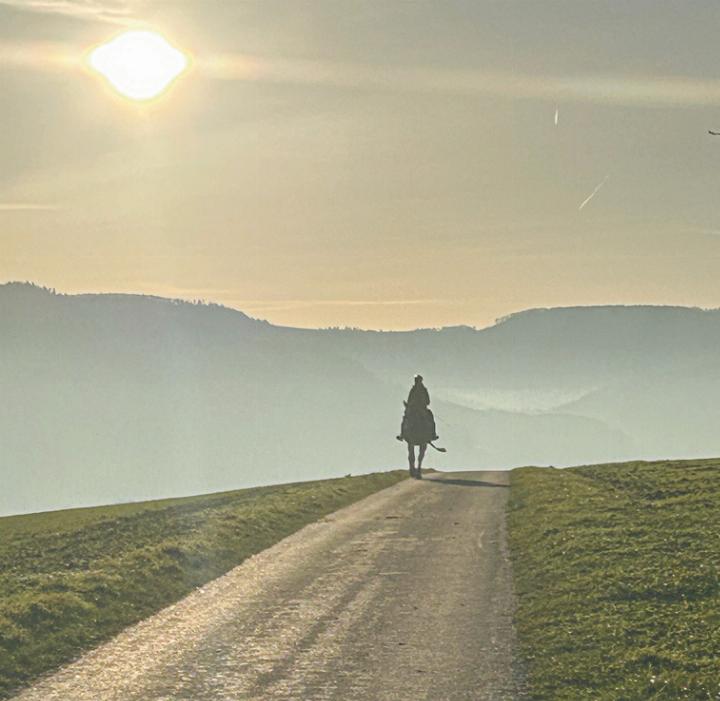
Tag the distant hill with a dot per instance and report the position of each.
(111, 398)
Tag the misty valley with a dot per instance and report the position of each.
(112, 398)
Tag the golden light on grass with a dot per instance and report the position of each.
(139, 65)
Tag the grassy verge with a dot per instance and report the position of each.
(72, 579)
(617, 570)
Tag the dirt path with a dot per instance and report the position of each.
(402, 596)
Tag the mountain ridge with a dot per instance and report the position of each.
(119, 397)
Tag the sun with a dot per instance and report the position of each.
(139, 65)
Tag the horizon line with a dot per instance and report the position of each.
(197, 301)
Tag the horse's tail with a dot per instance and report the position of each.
(439, 450)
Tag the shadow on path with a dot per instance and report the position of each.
(465, 483)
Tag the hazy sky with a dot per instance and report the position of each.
(376, 164)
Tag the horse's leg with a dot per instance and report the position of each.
(421, 454)
(411, 458)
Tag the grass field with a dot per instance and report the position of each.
(617, 571)
(71, 579)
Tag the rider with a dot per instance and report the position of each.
(419, 400)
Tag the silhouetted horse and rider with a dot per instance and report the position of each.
(418, 425)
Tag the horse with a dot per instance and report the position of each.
(418, 429)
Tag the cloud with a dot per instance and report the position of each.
(42, 56)
(266, 305)
(704, 231)
(276, 305)
(621, 90)
(115, 11)
(641, 91)
(229, 297)
(28, 207)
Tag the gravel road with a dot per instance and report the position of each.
(405, 595)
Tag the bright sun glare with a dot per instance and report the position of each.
(139, 65)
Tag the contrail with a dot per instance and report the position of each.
(557, 115)
(593, 193)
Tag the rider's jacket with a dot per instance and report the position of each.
(418, 396)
